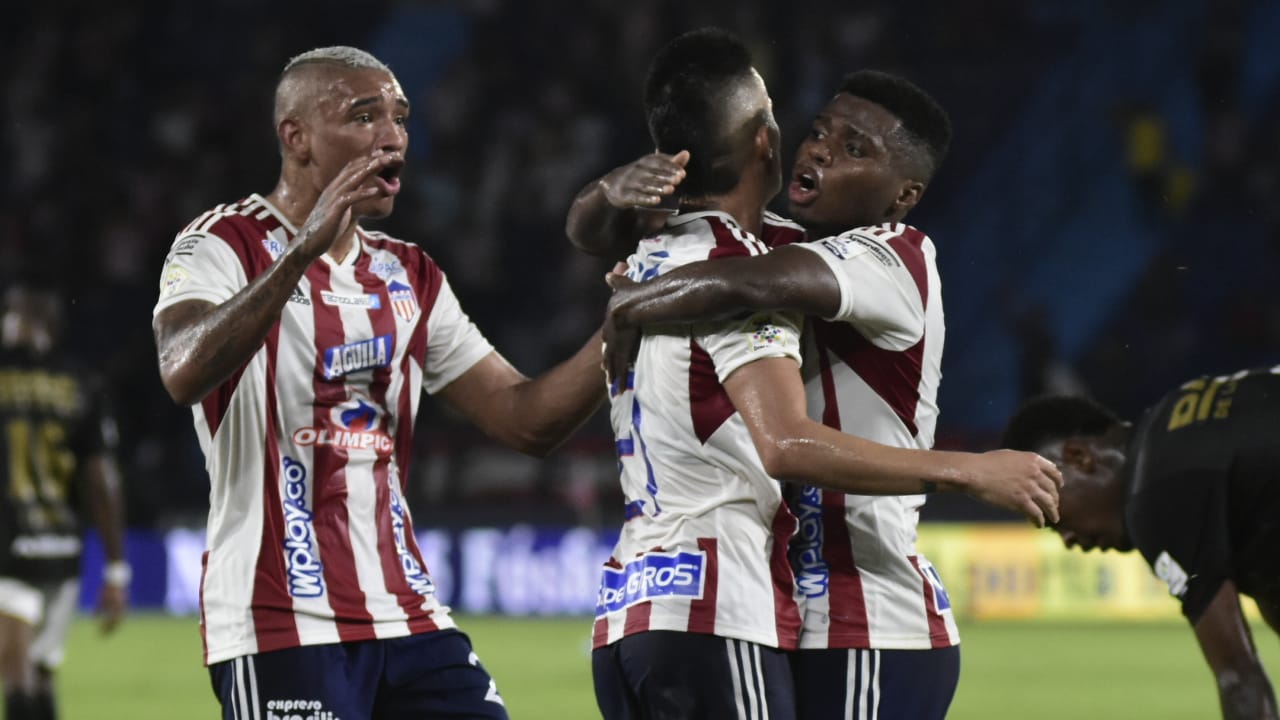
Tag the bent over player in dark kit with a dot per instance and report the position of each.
(1195, 487)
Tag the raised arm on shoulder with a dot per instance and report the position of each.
(534, 415)
(610, 215)
(1223, 634)
(200, 344)
(769, 395)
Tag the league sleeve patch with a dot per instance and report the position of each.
(174, 278)
(765, 334)
(849, 245)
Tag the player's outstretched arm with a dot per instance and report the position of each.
(102, 479)
(789, 279)
(200, 344)
(1243, 688)
(769, 395)
(610, 215)
(535, 415)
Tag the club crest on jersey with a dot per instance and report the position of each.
(305, 571)
(403, 302)
(342, 360)
(653, 575)
(174, 278)
(354, 425)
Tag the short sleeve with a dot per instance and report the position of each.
(200, 266)
(735, 343)
(880, 295)
(454, 343)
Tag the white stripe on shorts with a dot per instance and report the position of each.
(863, 681)
(748, 679)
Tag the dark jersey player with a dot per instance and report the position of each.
(1194, 487)
(56, 454)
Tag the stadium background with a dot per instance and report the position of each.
(1106, 222)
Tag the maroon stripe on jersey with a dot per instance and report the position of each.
(910, 248)
(727, 243)
(204, 572)
(830, 401)
(702, 613)
(273, 619)
(382, 319)
(938, 636)
(599, 633)
(272, 607)
(893, 375)
(637, 619)
(847, 605)
(785, 611)
(779, 235)
(329, 477)
(709, 404)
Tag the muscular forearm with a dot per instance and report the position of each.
(597, 228)
(817, 455)
(201, 345)
(102, 479)
(1246, 695)
(553, 405)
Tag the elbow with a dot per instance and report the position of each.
(181, 391)
(781, 457)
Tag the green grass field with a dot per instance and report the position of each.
(150, 670)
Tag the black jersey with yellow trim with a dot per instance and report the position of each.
(1203, 495)
(53, 417)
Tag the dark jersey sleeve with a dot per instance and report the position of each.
(1192, 484)
(95, 430)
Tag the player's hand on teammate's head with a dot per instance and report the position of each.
(649, 182)
(112, 600)
(1023, 482)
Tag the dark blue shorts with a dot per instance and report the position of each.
(664, 675)
(875, 684)
(433, 675)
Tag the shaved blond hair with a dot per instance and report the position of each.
(295, 79)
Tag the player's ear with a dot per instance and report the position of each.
(294, 142)
(1079, 453)
(909, 195)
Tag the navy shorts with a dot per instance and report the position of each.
(875, 684)
(432, 675)
(664, 675)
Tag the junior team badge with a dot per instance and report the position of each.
(402, 300)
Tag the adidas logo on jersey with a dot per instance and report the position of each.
(297, 296)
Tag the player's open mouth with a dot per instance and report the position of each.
(389, 178)
(805, 186)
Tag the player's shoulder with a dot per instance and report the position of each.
(712, 234)
(889, 243)
(247, 219)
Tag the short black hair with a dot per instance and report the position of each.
(686, 80)
(925, 125)
(1051, 418)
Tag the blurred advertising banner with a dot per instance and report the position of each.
(1012, 571)
(990, 571)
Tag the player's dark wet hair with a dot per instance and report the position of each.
(926, 127)
(1051, 418)
(686, 80)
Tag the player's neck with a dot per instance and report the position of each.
(744, 207)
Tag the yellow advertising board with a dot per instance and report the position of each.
(1006, 571)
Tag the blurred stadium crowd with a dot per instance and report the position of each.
(1108, 219)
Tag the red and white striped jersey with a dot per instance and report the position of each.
(703, 547)
(308, 444)
(873, 371)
